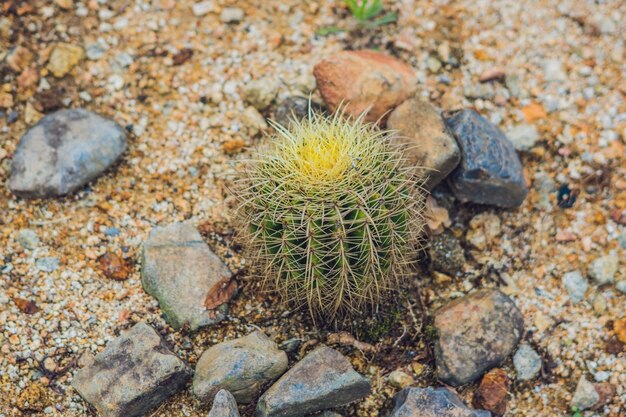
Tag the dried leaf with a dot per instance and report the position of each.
(436, 216)
(346, 339)
(220, 293)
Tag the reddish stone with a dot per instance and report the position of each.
(113, 266)
(492, 393)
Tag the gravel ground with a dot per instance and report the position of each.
(565, 71)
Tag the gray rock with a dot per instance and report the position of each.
(49, 264)
(576, 285)
(323, 379)
(474, 334)
(224, 405)
(329, 414)
(432, 402)
(295, 108)
(586, 395)
(553, 70)
(490, 171)
(260, 93)
(603, 269)
(180, 271)
(232, 15)
(94, 51)
(429, 144)
(621, 286)
(63, 152)
(523, 137)
(446, 253)
(28, 238)
(527, 363)
(242, 366)
(132, 375)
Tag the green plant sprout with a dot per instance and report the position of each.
(366, 13)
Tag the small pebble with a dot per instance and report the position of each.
(232, 15)
(576, 285)
(527, 363)
(523, 136)
(603, 269)
(28, 239)
(202, 8)
(47, 264)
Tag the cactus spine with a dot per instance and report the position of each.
(332, 215)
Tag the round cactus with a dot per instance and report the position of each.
(332, 215)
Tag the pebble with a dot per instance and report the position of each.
(182, 273)
(490, 171)
(241, 366)
(428, 143)
(63, 58)
(63, 152)
(260, 93)
(49, 264)
(586, 395)
(132, 375)
(202, 8)
(523, 136)
(492, 393)
(432, 402)
(527, 363)
(224, 405)
(576, 285)
(323, 379)
(399, 379)
(28, 238)
(295, 108)
(484, 228)
(603, 269)
(254, 121)
(94, 51)
(446, 253)
(232, 15)
(475, 333)
(621, 286)
(553, 70)
(599, 304)
(362, 80)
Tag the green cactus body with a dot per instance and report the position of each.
(332, 215)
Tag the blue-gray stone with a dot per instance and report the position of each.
(224, 405)
(63, 152)
(490, 171)
(432, 402)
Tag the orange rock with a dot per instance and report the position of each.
(492, 393)
(113, 266)
(534, 112)
(233, 145)
(26, 306)
(620, 329)
(363, 80)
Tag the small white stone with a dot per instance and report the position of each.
(202, 8)
(232, 15)
(523, 136)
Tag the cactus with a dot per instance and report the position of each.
(332, 215)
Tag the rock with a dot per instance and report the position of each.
(432, 402)
(586, 395)
(295, 108)
(483, 230)
(527, 363)
(429, 144)
(362, 80)
(254, 121)
(490, 171)
(329, 414)
(241, 366)
(475, 333)
(132, 375)
(49, 264)
(260, 93)
(323, 379)
(621, 286)
(202, 8)
(446, 253)
(232, 15)
(553, 70)
(19, 58)
(619, 326)
(523, 137)
(603, 269)
(183, 274)
(399, 379)
(94, 51)
(492, 393)
(63, 152)
(605, 391)
(576, 285)
(599, 304)
(113, 266)
(224, 405)
(63, 58)
(28, 239)
(34, 397)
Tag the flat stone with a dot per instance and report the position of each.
(490, 171)
(364, 80)
(603, 269)
(63, 152)
(586, 395)
(323, 379)
(446, 253)
(63, 58)
(428, 142)
(576, 285)
(527, 363)
(224, 405)
(432, 402)
(242, 366)
(28, 238)
(182, 273)
(132, 375)
(523, 136)
(475, 333)
(295, 109)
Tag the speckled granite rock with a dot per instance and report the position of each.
(490, 171)
(475, 333)
(295, 108)
(132, 375)
(446, 253)
(429, 144)
(242, 366)
(180, 271)
(63, 152)
(224, 405)
(323, 379)
(432, 402)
